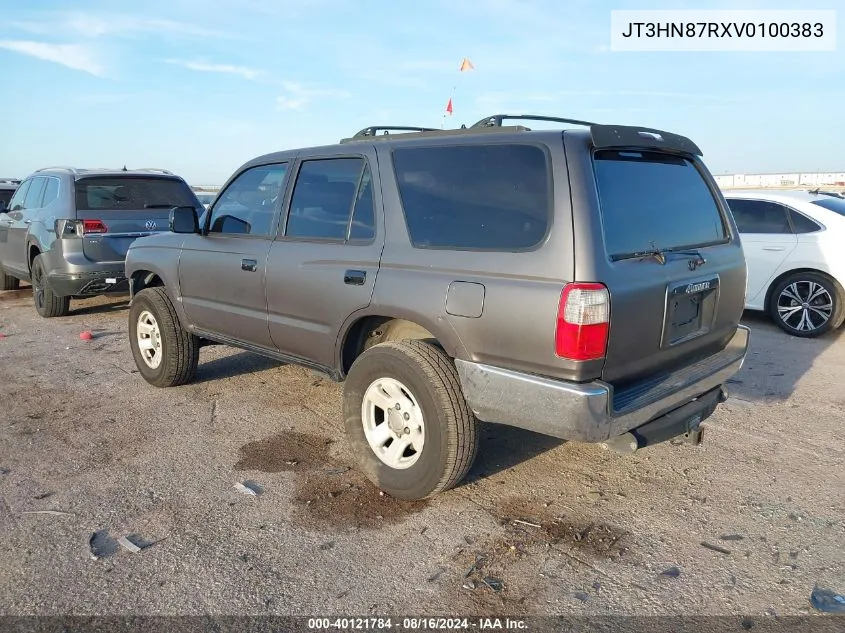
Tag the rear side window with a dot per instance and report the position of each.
(117, 193)
(651, 200)
(51, 191)
(332, 200)
(481, 197)
(801, 223)
(33, 196)
(837, 205)
(759, 216)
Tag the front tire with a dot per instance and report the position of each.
(807, 304)
(47, 304)
(407, 420)
(165, 354)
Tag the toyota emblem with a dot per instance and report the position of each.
(151, 225)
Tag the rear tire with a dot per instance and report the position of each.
(165, 354)
(807, 304)
(47, 304)
(7, 282)
(432, 421)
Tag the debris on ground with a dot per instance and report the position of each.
(436, 575)
(4, 471)
(101, 545)
(126, 543)
(715, 548)
(731, 537)
(827, 601)
(327, 546)
(86, 335)
(580, 595)
(54, 513)
(521, 522)
(672, 572)
(337, 471)
(494, 583)
(249, 488)
(469, 584)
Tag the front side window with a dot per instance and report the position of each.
(324, 197)
(759, 216)
(492, 197)
(16, 203)
(248, 205)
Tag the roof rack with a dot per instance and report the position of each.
(495, 120)
(58, 168)
(10, 181)
(603, 136)
(374, 129)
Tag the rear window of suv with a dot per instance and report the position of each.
(651, 200)
(493, 197)
(129, 192)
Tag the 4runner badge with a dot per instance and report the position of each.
(704, 285)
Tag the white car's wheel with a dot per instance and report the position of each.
(807, 304)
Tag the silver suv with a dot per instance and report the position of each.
(66, 230)
(584, 283)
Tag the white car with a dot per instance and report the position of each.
(794, 244)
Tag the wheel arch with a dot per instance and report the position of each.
(358, 328)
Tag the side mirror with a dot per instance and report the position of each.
(184, 220)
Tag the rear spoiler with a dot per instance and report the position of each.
(609, 136)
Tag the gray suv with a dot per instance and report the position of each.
(66, 230)
(586, 283)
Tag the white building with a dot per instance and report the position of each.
(781, 179)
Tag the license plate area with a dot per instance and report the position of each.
(690, 309)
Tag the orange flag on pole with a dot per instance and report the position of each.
(449, 106)
(466, 65)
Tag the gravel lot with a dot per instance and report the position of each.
(567, 529)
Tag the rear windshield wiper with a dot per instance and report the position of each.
(655, 252)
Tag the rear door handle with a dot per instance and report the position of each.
(249, 265)
(774, 248)
(355, 277)
(27, 221)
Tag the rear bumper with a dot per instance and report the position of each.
(591, 412)
(88, 284)
(70, 274)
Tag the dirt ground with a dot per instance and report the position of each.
(747, 523)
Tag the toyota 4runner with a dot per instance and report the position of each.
(585, 282)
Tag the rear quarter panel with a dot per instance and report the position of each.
(516, 327)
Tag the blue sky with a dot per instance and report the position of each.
(199, 87)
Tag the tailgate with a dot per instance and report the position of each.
(674, 271)
(116, 210)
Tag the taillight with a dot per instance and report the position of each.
(583, 321)
(94, 226)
